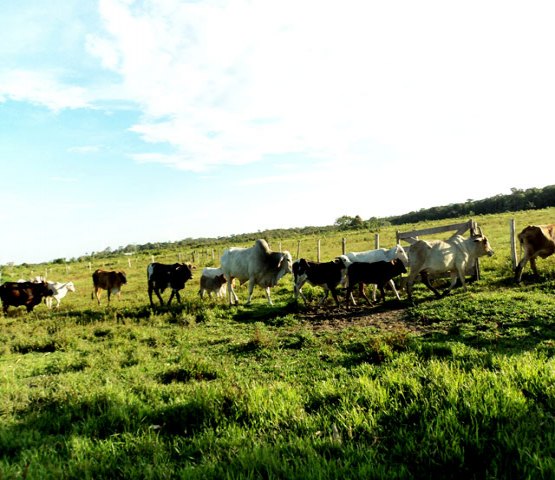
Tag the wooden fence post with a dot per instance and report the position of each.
(318, 251)
(514, 255)
(377, 241)
(344, 246)
(298, 249)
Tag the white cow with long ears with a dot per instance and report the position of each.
(257, 264)
(438, 256)
(59, 291)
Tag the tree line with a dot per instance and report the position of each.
(517, 200)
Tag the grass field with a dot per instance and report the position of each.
(461, 387)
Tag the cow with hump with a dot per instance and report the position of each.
(452, 256)
(535, 241)
(326, 274)
(257, 264)
(109, 280)
(161, 276)
(27, 294)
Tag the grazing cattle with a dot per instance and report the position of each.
(438, 256)
(28, 294)
(377, 273)
(59, 291)
(325, 274)
(381, 255)
(536, 241)
(257, 264)
(212, 280)
(161, 276)
(111, 281)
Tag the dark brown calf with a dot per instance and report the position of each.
(376, 273)
(111, 281)
(326, 274)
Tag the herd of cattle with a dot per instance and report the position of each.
(259, 265)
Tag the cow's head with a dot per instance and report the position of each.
(121, 277)
(482, 246)
(285, 263)
(179, 275)
(401, 254)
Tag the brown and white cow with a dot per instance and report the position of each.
(111, 281)
(535, 241)
(27, 294)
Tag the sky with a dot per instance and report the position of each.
(134, 121)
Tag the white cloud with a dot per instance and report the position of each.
(42, 88)
(232, 82)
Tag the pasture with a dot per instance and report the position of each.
(461, 387)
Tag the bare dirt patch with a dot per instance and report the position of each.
(389, 318)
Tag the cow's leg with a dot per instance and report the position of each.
(458, 275)
(97, 294)
(363, 293)
(392, 285)
(109, 293)
(533, 266)
(230, 291)
(520, 267)
(425, 281)
(297, 288)
(159, 295)
(326, 291)
(382, 292)
(267, 289)
(374, 292)
(333, 290)
(177, 296)
(150, 290)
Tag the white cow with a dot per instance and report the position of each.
(257, 264)
(59, 291)
(212, 280)
(438, 256)
(380, 255)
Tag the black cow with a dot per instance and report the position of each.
(28, 294)
(325, 274)
(376, 273)
(161, 276)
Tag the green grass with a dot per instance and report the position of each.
(461, 387)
